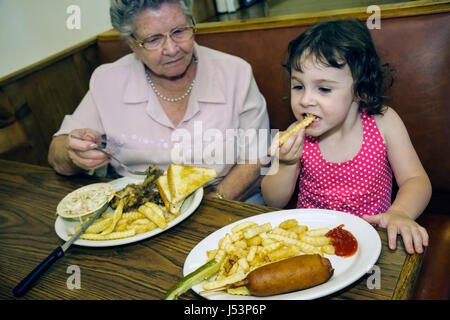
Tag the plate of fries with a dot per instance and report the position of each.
(116, 227)
(255, 241)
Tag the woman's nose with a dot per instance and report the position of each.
(170, 47)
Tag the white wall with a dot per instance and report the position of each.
(32, 30)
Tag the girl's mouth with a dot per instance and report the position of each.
(304, 115)
(316, 120)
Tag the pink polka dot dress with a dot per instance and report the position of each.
(362, 185)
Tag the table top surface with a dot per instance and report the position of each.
(143, 270)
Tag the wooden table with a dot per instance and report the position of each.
(143, 270)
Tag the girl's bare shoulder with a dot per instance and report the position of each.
(389, 123)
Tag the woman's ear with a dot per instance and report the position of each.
(134, 48)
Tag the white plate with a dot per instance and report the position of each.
(346, 270)
(64, 227)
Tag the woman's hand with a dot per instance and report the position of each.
(81, 152)
(291, 151)
(414, 236)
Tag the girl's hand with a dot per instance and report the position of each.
(414, 236)
(81, 152)
(291, 151)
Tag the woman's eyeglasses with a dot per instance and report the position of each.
(156, 41)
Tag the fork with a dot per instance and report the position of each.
(135, 172)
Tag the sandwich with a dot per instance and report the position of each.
(180, 182)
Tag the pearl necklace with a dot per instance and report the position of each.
(159, 94)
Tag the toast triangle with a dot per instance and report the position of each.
(184, 180)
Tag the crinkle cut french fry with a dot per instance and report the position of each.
(142, 221)
(271, 247)
(132, 215)
(223, 282)
(110, 236)
(225, 241)
(317, 232)
(243, 264)
(289, 223)
(328, 249)
(302, 124)
(241, 291)
(116, 217)
(241, 226)
(287, 241)
(252, 253)
(283, 253)
(211, 253)
(285, 233)
(154, 213)
(299, 229)
(121, 226)
(142, 228)
(309, 249)
(315, 241)
(255, 241)
(220, 255)
(172, 216)
(237, 236)
(254, 231)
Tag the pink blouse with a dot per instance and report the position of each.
(226, 120)
(362, 185)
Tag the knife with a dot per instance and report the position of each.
(29, 280)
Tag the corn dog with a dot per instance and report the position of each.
(302, 124)
(291, 274)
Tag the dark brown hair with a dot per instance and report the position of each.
(340, 42)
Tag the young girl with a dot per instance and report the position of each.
(345, 159)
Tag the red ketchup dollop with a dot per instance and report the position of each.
(344, 243)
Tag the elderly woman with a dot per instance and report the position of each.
(170, 101)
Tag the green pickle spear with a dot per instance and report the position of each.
(193, 278)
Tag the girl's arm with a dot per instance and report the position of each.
(414, 186)
(278, 185)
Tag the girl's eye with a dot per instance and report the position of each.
(324, 90)
(297, 87)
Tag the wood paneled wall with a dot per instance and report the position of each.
(34, 101)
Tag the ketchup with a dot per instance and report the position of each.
(344, 243)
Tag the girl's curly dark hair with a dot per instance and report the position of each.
(340, 42)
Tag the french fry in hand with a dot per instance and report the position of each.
(302, 124)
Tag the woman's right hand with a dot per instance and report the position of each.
(291, 151)
(82, 153)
